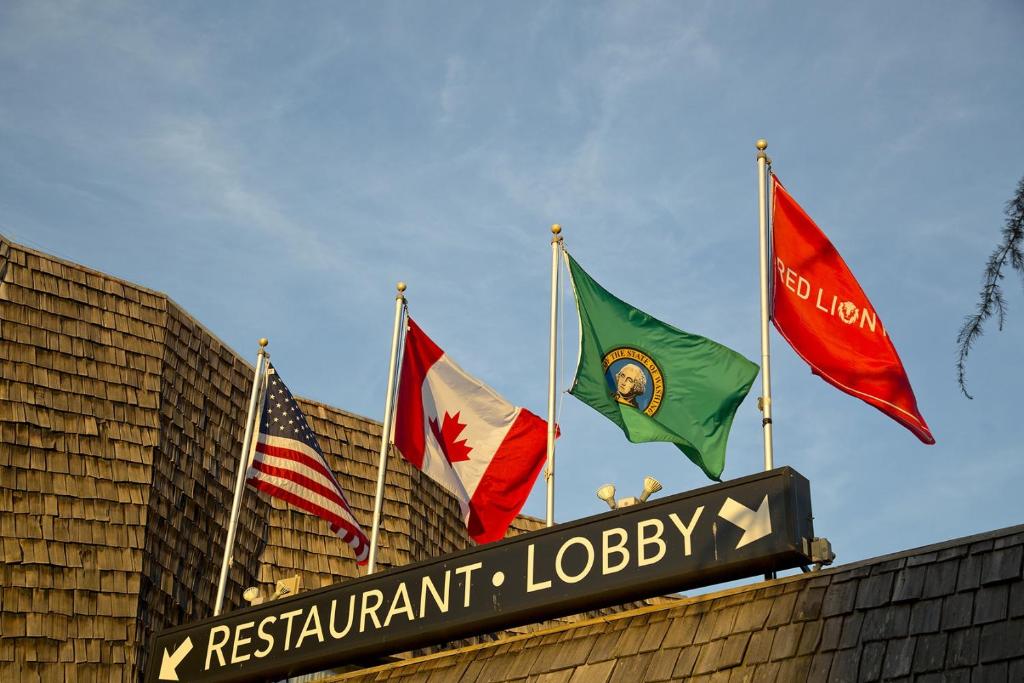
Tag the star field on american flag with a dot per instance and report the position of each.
(283, 417)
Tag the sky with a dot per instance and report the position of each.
(276, 168)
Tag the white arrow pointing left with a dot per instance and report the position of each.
(171, 661)
(755, 525)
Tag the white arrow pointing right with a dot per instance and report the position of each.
(170, 661)
(755, 525)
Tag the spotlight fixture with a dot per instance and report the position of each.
(607, 494)
(253, 596)
(288, 586)
(651, 485)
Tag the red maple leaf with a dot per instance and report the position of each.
(454, 451)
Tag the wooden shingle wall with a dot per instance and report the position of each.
(121, 420)
(79, 388)
(203, 401)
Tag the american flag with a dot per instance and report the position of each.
(287, 463)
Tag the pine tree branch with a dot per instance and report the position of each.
(991, 298)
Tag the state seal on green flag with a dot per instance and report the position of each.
(657, 382)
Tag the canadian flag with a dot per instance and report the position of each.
(482, 449)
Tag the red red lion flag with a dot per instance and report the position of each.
(820, 309)
(482, 449)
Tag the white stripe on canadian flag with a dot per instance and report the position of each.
(463, 435)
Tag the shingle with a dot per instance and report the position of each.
(752, 615)
(957, 610)
(782, 610)
(874, 591)
(741, 674)
(909, 584)
(991, 673)
(969, 576)
(629, 669)
(820, 665)
(1002, 565)
(707, 660)
(930, 653)
(899, 657)
(733, 650)
(851, 630)
(684, 664)
(871, 659)
(839, 598)
(886, 623)
(962, 649)
(1016, 604)
(940, 579)
(760, 647)
(923, 558)
(786, 640)
(629, 642)
(1002, 640)
(724, 622)
(925, 616)
(844, 666)
(593, 673)
(561, 676)
(661, 665)
(706, 627)
(795, 669)
(681, 631)
(990, 604)
(766, 673)
(809, 638)
(654, 636)
(830, 631)
(808, 604)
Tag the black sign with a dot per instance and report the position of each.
(742, 528)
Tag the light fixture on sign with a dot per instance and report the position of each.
(253, 596)
(607, 494)
(651, 485)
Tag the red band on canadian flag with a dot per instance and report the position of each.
(463, 435)
(821, 310)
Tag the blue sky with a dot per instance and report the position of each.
(277, 167)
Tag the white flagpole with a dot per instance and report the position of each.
(243, 466)
(385, 434)
(549, 471)
(765, 400)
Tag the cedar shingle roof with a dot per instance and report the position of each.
(951, 611)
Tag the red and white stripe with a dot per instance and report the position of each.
(292, 471)
(507, 444)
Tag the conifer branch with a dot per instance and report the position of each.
(991, 299)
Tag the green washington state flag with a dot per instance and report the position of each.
(656, 382)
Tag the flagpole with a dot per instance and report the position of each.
(765, 401)
(243, 467)
(549, 471)
(385, 434)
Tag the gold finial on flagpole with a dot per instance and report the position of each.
(263, 342)
(400, 286)
(762, 145)
(401, 291)
(556, 229)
